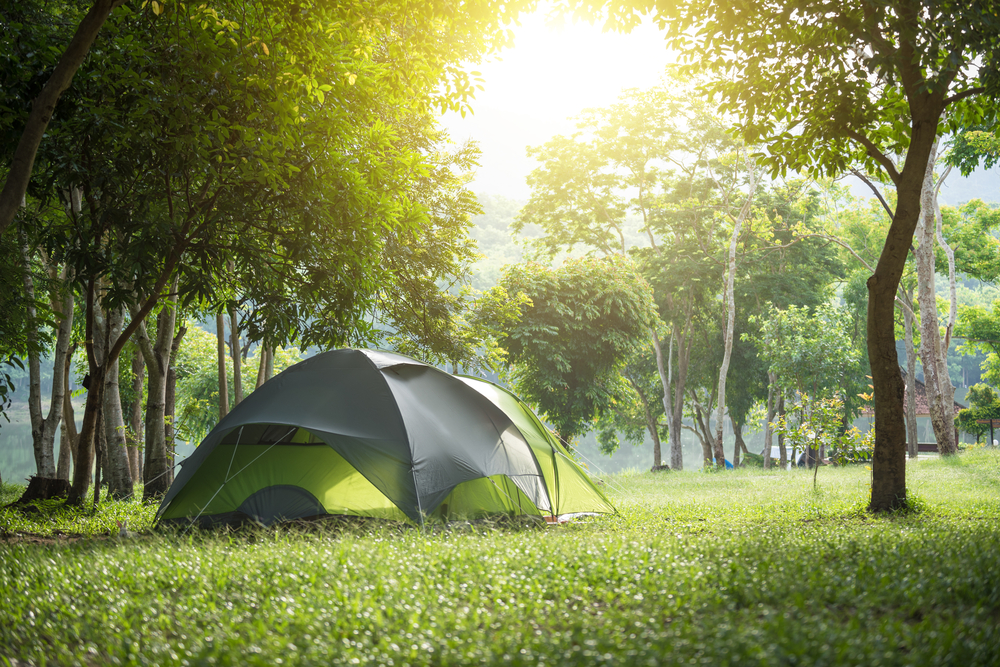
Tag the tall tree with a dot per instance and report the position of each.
(275, 139)
(584, 320)
(660, 155)
(865, 80)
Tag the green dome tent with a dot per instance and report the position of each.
(366, 433)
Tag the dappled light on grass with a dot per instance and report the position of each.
(742, 567)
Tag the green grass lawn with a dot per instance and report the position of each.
(736, 568)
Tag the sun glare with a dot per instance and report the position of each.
(555, 70)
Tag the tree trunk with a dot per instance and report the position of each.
(120, 483)
(676, 411)
(94, 383)
(135, 445)
(68, 436)
(720, 456)
(237, 352)
(704, 435)
(43, 106)
(739, 446)
(220, 325)
(269, 369)
(262, 365)
(170, 406)
(946, 387)
(930, 336)
(889, 458)
(157, 357)
(768, 430)
(43, 429)
(782, 451)
(911, 380)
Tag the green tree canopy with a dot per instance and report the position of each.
(585, 320)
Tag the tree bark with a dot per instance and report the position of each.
(911, 380)
(135, 445)
(269, 368)
(946, 387)
(720, 456)
(119, 474)
(935, 377)
(43, 106)
(43, 428)
(677, 410)
(220, 325)
(237, 352)
(782, 451)
(68, 436)
(768, 430)
(889, 458)
(262, 365)
(739, 446)
(157, 358)
(95, 398)
(170, 406)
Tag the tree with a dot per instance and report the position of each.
(43, 106)
(198, 390)
(279, 143)
(585, 320)
(810, 353)
(662, 156)
(822, 87)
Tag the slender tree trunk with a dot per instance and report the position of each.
(220, 324)
(262, 365)
(170, 406)
(135, 446)
(911, 380)
(664, 373)
(889, 458)
(118, 473)
(720, 456)
(68, 437)
(157, 357)
(947, 389)
(930, 336)
(43, 106)
(269, 369)
(235, 347)
(43, 428)
(768, 430)
(739, 445)
(94, 383)
(782, 451)
(677, 411)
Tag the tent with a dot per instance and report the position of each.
(377, 434)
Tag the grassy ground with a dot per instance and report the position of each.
(735, 568)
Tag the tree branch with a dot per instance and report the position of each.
(878, 194)
(876, 154)
(44, 105)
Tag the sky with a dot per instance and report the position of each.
(552, 72)
(556, 70)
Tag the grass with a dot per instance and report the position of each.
(735, 568)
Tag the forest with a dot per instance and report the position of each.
(745, 272)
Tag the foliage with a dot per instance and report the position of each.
(983, 404)
(197, 395)
(809, 350)
(973, 148)
(971, 231)
(717, 568)
(584, 321)
(980, 327)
